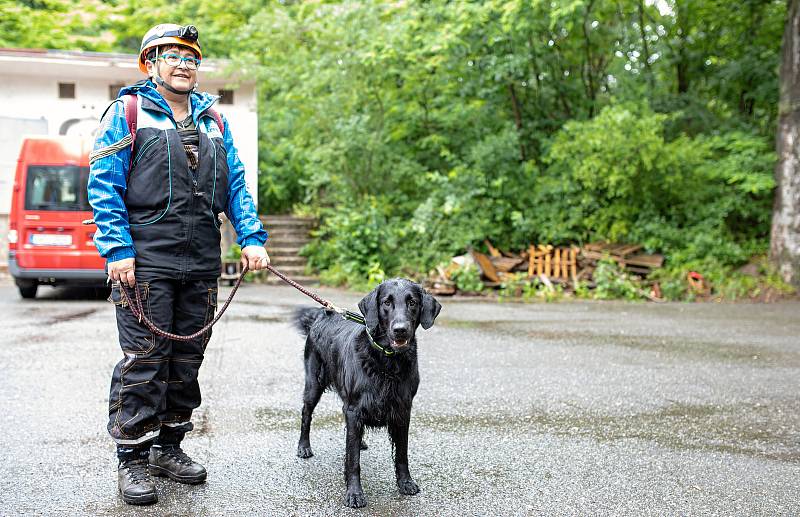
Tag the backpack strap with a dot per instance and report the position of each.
(218, 118)
(131, 114)
(129, 104)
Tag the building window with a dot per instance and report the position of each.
(113, 91)
(66, 90)
(226, 96)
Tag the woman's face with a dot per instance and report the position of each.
(179, 77)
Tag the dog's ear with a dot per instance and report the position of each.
(430, 309)
(369, 308)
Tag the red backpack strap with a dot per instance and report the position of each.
(131, 113)
(218, 118)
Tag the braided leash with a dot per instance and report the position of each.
(138, 311)
(313, 296)
(136, 307)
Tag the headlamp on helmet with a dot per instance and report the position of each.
(189, 33)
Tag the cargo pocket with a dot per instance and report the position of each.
(211, 310)
(134, 337)
(116, 296)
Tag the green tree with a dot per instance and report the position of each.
(416, 129)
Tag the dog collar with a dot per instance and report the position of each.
(358, 318)
(376, 345)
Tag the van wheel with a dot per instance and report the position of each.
(28, 290)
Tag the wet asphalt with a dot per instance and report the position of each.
(580, 408)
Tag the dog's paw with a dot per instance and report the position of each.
(304, 451)
(355, 500)
(407, 486)
(364, 445)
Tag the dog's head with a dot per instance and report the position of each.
(396, 308)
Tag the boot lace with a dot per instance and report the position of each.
(136, 470)
(178, 455)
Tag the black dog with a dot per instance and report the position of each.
(373, 369)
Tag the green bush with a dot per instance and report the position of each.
(353, 245)
(518, 286)
(467, 279)
(612, 283)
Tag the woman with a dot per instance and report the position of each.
(163, 169)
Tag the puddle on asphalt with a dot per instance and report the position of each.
(675, 346)
(473, 324)
(202, 426)
(72, 316)
(272, 419)
(747, 429)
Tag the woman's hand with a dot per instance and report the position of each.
(122, 271)
(255, 257)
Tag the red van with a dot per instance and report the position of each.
(47, 240)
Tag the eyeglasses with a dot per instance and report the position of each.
(174, 60)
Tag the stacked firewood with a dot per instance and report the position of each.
(550, 264)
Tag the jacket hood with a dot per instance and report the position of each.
(201, 101)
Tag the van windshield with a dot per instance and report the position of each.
(56, 187)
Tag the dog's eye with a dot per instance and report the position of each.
(412, 303)
(387, 303)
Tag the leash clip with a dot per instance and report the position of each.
(331, 307)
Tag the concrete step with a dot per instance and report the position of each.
(288, 260)
(287, 222)
(282, 251)
(295, 244)
(287, 236)
(282, 233)
(292, 269)
(302, 225)
(285, 217)
(292, 273)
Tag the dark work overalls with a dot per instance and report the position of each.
(173, 213)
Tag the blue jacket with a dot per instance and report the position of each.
(108, 178)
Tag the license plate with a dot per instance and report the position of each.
(50, 239)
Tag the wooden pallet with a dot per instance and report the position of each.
(553, 262)
(626, 255)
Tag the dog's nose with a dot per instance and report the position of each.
(400, 331)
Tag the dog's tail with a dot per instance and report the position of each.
(305, 317)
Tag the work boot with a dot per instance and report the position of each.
(135, 483)
(172, 462)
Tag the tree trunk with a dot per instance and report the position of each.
(785, 238)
